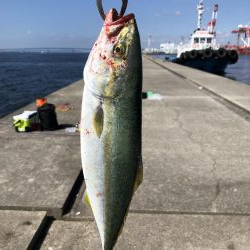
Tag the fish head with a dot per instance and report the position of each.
(114, 58)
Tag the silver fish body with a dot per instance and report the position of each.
(111, 124)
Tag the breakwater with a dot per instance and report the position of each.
(196, 170)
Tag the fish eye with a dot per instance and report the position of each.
(119, 50)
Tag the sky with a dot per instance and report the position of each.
(77, 23)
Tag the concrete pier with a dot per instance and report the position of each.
(195, 193)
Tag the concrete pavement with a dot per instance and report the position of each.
(195, 193)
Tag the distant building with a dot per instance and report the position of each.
(168, 48)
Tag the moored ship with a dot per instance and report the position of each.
(202, 51)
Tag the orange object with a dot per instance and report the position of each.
(40, 102)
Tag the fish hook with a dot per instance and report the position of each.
(101, 11)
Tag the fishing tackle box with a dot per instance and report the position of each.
(26, 121)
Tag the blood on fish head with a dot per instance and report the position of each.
(113, 57)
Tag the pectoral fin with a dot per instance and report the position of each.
(98, 118)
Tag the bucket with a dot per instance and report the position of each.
(40, 102)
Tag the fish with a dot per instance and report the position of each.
(111, 120)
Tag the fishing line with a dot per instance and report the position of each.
(102, 13)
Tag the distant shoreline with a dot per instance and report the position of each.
(46, 50)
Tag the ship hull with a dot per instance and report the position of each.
(216, 66)
(244, 51)
(212, 61)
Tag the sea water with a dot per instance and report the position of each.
(24, 77)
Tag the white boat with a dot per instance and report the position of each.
(202, 51)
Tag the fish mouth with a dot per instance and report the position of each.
(113, 18)
(114, 23)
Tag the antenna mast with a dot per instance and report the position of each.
(149, 41)
(200, 9)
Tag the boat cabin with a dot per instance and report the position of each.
(202, 39)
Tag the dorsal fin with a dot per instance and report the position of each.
(138, 181)
(139, 176)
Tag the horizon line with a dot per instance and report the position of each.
(45, 48)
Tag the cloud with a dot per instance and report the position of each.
(29, 32)
(163, 12)
(177, 13)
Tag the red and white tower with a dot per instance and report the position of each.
(212, 22)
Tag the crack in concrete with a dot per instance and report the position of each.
(161, 212)
(181, 126)
(217, 193)
(189, 133)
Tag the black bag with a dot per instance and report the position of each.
(47, 117)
